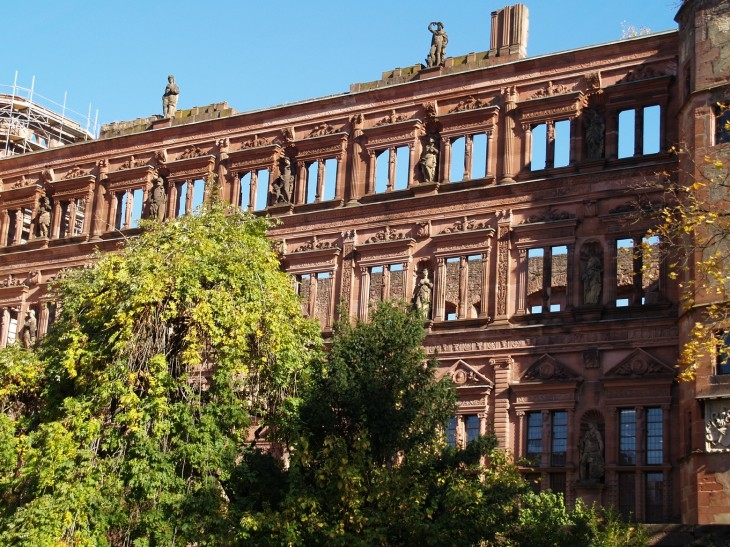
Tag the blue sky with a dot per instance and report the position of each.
(115, 56)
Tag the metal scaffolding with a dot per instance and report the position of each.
(30, 122)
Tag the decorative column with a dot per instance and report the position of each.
(114, 214)
(445, 159)
(549, 144)
(639, 132)
(331, 300)
(4, 225)
(4, 326)
(364, 292)
(527, 143)
(43, 316)
(18, 237)
(313, 296)
(510, 104)
(340, 176)
(463, 287)
(521, 281)
(128, 211)
(412, 161)
(57, 216)
(491, 154)
(370, 182)
(502, 265)
(468, 151)
(484, 307)
(385, 288)
(72, 208)
(86, 226)
(439, 300)
(319, 192)
(392, 161)
(520, 435)
(301, 189)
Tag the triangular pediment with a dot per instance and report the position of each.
(464, 375)
(547, 368)
(640, 363)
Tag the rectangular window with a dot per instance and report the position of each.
(451, 432)
(472, 427)
(534, 437)
(557, 483)
(654, 437)
(627, 495)
(627, 437)
(654, 485)
(559, 438)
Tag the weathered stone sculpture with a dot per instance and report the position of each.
(422, 295)
(591, 455)
(169, 98)
(282, 189)
(592, 280)
(44, 217)
(30, 329)
(158, 200)
(429, 161)
(437, 54)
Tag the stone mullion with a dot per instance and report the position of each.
(491, 156)
(301, 185)
(547, 278)
(638, 270)
(331, 301)
(638, 131)
(440, 292)
(484, 297)
(364, 292)
(86, 225)
(71, 229)
(235, 191)
(319, 192)
(4, 327)
(569, 284)
(190, 187)
(313, 296)
(576, 141)
(18, 236)
(370, 180)
(549, 144)
(527, 151)
(521, 281)
(57, 217)
(546, 440)
(463, 287)
(385, 288)
(43, 316)
(340, 176)
(468, 153)
(128, 210)
(412, 160)
(4, 225)
(640, 460)
(113, 214)
(171, 199)
(572, 441)
(445, 161)
(611, 273)
(392, 168)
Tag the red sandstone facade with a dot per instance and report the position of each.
(541, 309)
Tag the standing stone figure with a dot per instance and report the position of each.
(282, 189)
(30, 329)
(437, 54)
(428, 161)
(591, 454)
(44, 216)
(592, 280)
(169, 98)
(158, 200)
(422, 295)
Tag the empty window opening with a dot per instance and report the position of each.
(479, 156)
(402, 167)
(457, 171)
(562, 143)
(245, 196)
(626, 133)
(330, 179)
(129, 209)
(538, 155)
(312, 172)
(652, 129)
(382, 165)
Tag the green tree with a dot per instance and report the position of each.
(163, 357)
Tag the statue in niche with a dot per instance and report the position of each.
(158, 200)
(429, 161)
(30, 329)
(592, 278)
(437, 53)
(169, 98)
(422, 295)
(282, 188)
(44, 217)
(594, 132)
(591, 454)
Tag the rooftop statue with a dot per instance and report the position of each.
(437, 54)
(169, 98)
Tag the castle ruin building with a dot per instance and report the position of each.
(506, 196)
